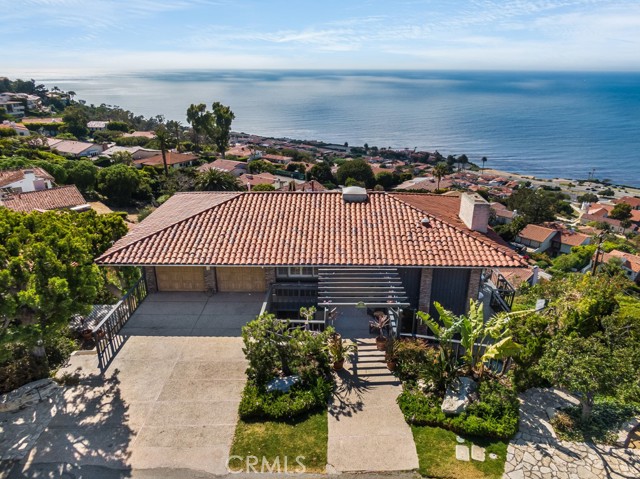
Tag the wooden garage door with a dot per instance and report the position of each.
(241, 279)
(180, 278)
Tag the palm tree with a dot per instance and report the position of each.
(484, 160)
(440, 171)
(216, 180)
(165, 138)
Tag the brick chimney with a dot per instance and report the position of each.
(474, 212)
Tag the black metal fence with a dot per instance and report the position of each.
(106, 333)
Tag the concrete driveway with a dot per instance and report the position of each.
(169, 398)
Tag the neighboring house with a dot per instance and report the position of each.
(630, 263)
(137, 152)
(425, 248)
(32, 102)
(174, 160)
(24, 181)
(428, 183)
(249, 180)
(541, 239)
(600, 212)
(19, 128)
(63, 197)
(236, 168)
(502, 214)
(140, 134)
(633, 201)
(75, 149)
(311, 185)
(240, 151)
(97, 126)
(278, 159)
(13, 108)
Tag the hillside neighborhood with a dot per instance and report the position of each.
(194, 291)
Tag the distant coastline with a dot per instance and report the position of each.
(537, 124)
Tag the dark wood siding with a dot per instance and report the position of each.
(449, 288)
(411, 282)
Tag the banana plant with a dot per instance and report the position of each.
(482, 340)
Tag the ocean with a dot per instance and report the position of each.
(544, 124)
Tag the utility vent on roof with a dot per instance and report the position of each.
(354, 194)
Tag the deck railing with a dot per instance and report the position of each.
(106, 332)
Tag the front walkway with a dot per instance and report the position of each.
(367, 431)
(536, 453)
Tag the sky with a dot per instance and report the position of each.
(93, 36)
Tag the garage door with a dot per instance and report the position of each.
(241, 279)
(180, 278)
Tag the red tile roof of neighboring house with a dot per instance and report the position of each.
(276, 158)
(573, 238)
(633, 201)
(630, 261)
(289, 228)
(172, 159)
(605, 210)
(223, 165)
(517, 276)
(51, 199)
(537, 233)
(311, 185)
(253, 179)
(11, 176)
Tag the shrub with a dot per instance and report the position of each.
(20, 367)
(417, 360)
(494, 415)
(301, 399)
(606, 419)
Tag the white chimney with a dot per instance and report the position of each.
(474, 212)
(535, 276)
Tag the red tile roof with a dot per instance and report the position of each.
(537, 233)
(573, 238)
(311, 228)
(630, 261)
(223, 165)
(633, 201)
(51, 199)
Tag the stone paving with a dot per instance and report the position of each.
(536, 453)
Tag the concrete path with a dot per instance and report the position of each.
(168, 400)
(367, 431)
(536, 453)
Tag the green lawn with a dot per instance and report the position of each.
(437, 455)
(276, 439)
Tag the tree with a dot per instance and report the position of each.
(621, 211)
(358, 170)
(75, 120)
(463, 160)
(584, 365)
(484, 160)
(536, 206)
(439, 172)
(120, 183)
(216, 180)
(123, 157)
(166, 141)
(260, 166)
(216, 124)
(47, 274)
(588, 198)
(119, 126)
(82, 173)
(321, 172)
(387, 179)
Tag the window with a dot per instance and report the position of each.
(297, 272)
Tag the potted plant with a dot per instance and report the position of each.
(340, 352)
(390, 354)
(380, 322)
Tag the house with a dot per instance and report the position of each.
(552, 239)
(24, 181)
(97, 126)
(502, 214)
(250, 180)
(428, 183)
(311, 185)
(32, 102)
(236, 168)
(601, 212)
(75, 149)
(349, 247)
(633, 201)
(63, 197)
(19, 128)
(137, 152)
(630, 263)
(140, 134)
(12, 107)
(278, 159)
(174, 160)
